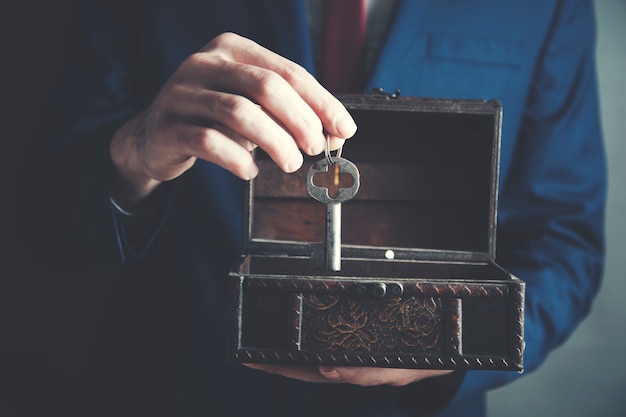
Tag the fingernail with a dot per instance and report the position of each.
(319, 147)
(330, 373)
(254, 171)
(295, 162)
(347, 127)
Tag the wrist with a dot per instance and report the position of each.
(129, 185)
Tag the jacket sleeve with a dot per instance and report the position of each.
(67, 171)
(552, 203)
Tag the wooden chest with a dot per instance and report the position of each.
(418, 285)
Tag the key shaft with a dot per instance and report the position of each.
(333, 237)
(333, 205)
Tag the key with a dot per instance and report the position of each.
(333, 203)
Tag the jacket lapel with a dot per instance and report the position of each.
(404, 43)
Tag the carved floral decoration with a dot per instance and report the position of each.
(364, 324)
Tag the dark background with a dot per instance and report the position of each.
(30, 33)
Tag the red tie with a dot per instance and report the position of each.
(344, 37)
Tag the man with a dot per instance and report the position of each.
(151, 140)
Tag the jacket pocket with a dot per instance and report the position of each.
(472, 49)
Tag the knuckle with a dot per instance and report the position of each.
(309, 126)
(202, 141)
(294, 73)
(174, 93)
(332, 106)
(223, 40)
(267, 83)
(195, 60)
(206, 60)
(234, 105)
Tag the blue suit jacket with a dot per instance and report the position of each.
(536, 56)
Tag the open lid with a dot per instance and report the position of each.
(429, 182)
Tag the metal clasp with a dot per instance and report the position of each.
(379, 91)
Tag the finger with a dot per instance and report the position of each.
(274, 95)
(283, 103)
(214, 144)
(365, 376)
(234, 136)
(335, 142)
(249, 123)
(302, 373)
(332, 113)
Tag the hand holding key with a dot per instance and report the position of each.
(223, 101)
(333, 204)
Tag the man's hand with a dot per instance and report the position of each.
(222, 102)
(353, 375)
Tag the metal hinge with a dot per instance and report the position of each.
(382, 93)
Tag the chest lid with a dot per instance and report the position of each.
(429, 182)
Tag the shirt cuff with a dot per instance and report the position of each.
(137, 229)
